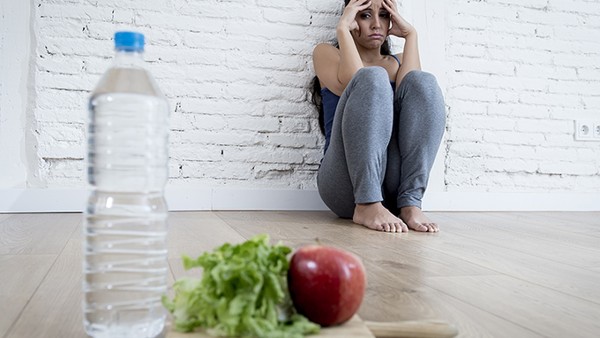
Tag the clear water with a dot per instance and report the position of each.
(126, 217)
(128, 140)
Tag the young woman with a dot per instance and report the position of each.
(383, 120)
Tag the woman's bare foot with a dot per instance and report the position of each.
(416, 220)
(375, 216)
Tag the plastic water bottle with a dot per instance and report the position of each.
(125, 267)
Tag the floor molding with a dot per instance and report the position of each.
(182, 199)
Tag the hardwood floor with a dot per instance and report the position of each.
(501, 274)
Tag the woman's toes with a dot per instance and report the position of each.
(420, 227)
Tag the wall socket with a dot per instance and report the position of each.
(587, 130)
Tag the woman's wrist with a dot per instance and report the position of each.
(340, 28)
(343, 33)
(411, 34)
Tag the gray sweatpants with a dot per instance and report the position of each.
(383, 144)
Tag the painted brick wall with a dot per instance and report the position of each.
(236, 72)
(519, 73)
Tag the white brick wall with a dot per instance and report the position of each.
(236, 73)
(519, 73)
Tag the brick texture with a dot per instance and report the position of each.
(519, 73)
(236, 74)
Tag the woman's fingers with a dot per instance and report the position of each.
(352, 11)
(357, 6)
(364, 5)
(399, 26)
(390, 7)
(393, 14)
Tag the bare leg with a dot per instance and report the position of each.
(416, 220)
(375, 216)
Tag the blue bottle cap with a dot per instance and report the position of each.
(129, 41)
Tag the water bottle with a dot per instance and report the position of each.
(125, 228)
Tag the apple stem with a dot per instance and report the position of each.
(318, 240)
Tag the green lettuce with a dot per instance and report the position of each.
(243, 293)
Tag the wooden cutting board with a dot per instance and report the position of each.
(354, 328)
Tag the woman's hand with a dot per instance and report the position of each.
(348, 19)
(400, 27)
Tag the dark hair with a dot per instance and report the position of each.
(315, 85)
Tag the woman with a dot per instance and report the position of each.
(383, 120)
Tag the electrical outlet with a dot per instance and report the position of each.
(596, 131)
(587, 130)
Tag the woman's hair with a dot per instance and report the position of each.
(315, 85)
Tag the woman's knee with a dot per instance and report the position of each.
(420, 79)
(422, 89)
(423, 86)
(373, 76)
(372, 84)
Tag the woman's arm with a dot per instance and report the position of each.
(336, 67)
(401, 28)
(350, 61)
(410, 57)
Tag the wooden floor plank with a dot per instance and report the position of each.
(193, 233)
(586, 223)
(55, 308)
(412, 299)
(565, 278)
(472, 321)
(583, 229)
(282, 226)
(545, 311)
(483, 228)
(30, 233)
(541, 225)
(20, 277)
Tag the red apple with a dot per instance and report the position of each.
(326, 284)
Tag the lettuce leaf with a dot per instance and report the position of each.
(243, 293)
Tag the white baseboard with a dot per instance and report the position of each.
(178, 199)
(521, 201)
(183, 199)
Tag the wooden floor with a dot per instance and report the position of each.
(499, 274)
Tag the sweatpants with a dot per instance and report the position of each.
(382, 144)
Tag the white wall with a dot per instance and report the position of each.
(520, 72)
(15, 61)
(515, 74)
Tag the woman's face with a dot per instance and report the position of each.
(373, 25)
